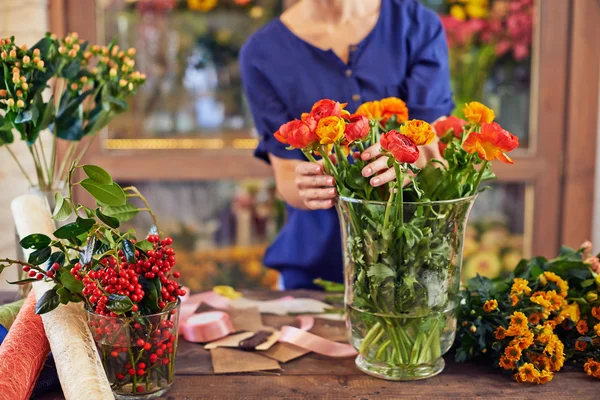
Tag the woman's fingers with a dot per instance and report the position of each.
(318, 194)
(372, 152)
(379, 164)
(319, 204)
(313, 181)
(309, 168)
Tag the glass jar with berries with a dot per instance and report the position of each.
(128, 287)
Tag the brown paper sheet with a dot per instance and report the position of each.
(226, 361)
(284, 352)
(248, 320)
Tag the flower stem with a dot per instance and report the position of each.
(480, 175)
(388, 208)
(400, 197)
(136, 193)
(19, 165)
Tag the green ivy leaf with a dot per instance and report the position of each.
(97, 174)
(35, 241)
(119, 304)
(56, 257)
(40, 256)
(74, 229)
(48, 302)
(63, 208)
(123, 213)
(129, 251)
(69, 281)
(110, 221)
(110, 195)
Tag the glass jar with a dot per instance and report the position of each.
(402, 278)
(138, 353)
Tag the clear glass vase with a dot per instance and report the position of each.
(138, 353)
(402, 278)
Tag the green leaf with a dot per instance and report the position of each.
(86, 258)
(378, 273)
(587, 282)
(144, 245)
(70, 282)
(108, 220)
(119, 304)
(56, 257)
(43, 45)
(63, 208)
(40, 256)
(71, 70)
(97, 174)
(74, 229)
(129, 250)
(64, 295)
(151, 289)
(48, 302)
(22, 281)
(70, 128)
(35, 241)
(117, 105)
(110, 195)
(24, 116)
(123, 213)
(109, 237)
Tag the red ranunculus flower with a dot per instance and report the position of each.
(451, 123)
(402, 148)
(357, 128)
(327, 108)
(492, 143)
(296, 133)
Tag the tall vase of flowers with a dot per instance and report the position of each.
(402, 243)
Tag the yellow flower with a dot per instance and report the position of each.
(540, 298)
(478, 113)
(520, 286)
(571, 311)
(597, 329)
(534, 318)
(592, 368)
(506, 363)
(528, 373)
(524, 341)
(330, 130)
(476, 11)
(420, 132)
(514, 299)
(202, 5)
(490, 305)
(371, 110)
(518, 324)
(500, 333)
(458, 12)
(227, 291)
(545, 377)
(562, 285)
(513, 353)
(393, 106)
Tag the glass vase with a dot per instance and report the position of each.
(402, 278)
(138, 353)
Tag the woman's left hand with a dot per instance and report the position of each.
(378, 168)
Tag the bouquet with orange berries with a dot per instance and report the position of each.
(547, 313)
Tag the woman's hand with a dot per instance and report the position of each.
(316, 189)
(378, 169)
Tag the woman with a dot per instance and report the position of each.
(351, 51)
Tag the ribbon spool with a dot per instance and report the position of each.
(207, 326)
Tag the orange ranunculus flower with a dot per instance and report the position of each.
(420, 132)
(330, 130)
(393, 106)
(492, 143)
(371, 110)
(357, 128)
(296, 133)
(327, 108)
(310, 121)
(402, 148)
(450, 124)
(478, 113)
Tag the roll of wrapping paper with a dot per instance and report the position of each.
(8, 313)
(23, 353)
(78, 364)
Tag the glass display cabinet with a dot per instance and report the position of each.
(188, 138)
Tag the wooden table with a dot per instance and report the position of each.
(318, 377)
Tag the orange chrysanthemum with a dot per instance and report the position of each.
(514, 299)
(478, 113)
(492, 143)
(490, 305)
(592, 368)
(582, 327)
(520, 286)
(518, 324)
(580, 345)
(500, 333)
(596, 312)
(513, 353)
(528, 373)
(506, 363)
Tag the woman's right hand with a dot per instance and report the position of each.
(316, 189)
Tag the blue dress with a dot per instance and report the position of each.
(404, 56)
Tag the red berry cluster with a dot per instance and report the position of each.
(38, 275)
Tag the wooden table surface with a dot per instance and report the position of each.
(319, 377)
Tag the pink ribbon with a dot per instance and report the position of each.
(194, 327)
(301, 338)
(206, 327)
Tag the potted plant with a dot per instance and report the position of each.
(402, 244)
(128, 286)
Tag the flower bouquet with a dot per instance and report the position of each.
(547, 313)
(128, 287)
(403, 241)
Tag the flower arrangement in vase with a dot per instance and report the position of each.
(67, 87)
(402, 242)
(128, 286)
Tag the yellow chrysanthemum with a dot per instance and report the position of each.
(528, 373)
(490, 305)
(520, 286)
(562, 285)
(524, 341)
(592, 368)
(500, 333)
(571, 311)
(513, 353)
(506, 363)
(458, 12)
(597, 329)
(540, 298)
(514, 299)
(518, 324)
(545, 377)
(535, 318)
